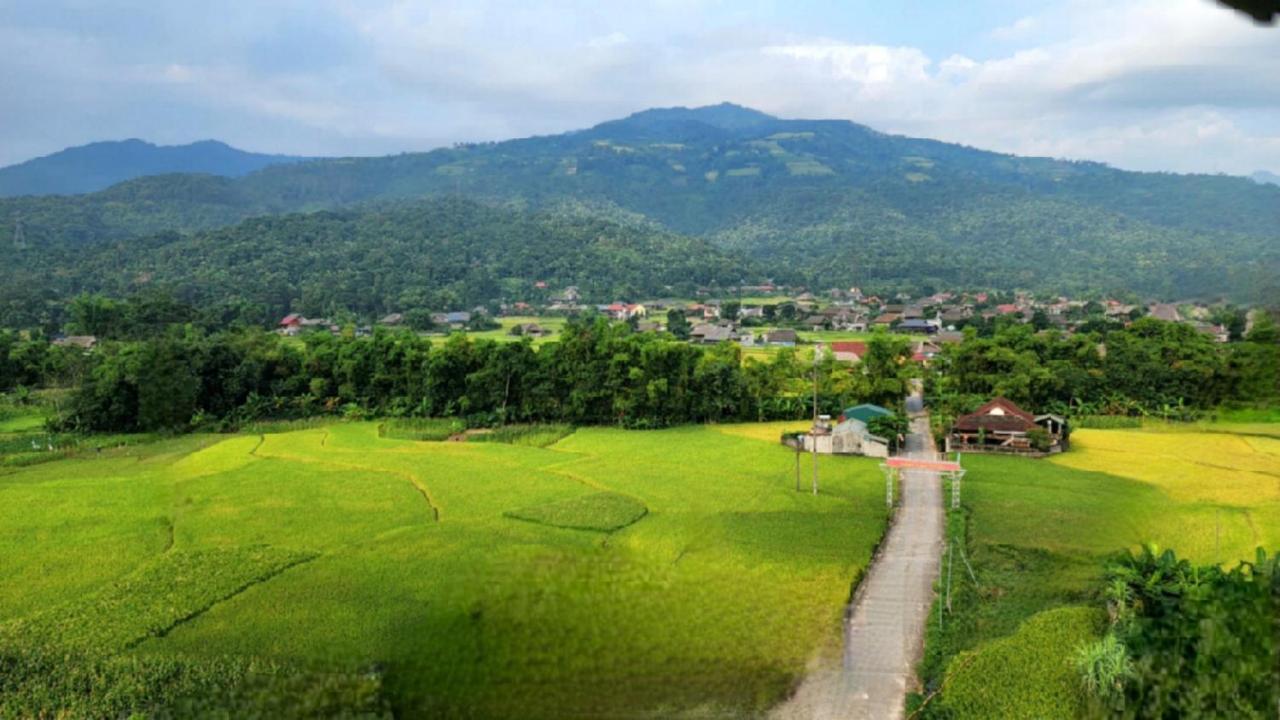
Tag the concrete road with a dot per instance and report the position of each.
(884, 632)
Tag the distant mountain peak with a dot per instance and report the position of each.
(725, 115)
(1266, 178)
(98, 165)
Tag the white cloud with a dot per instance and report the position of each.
(606, 41)
(1148, 84)
(1018, 29)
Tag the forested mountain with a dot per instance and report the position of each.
(99, 165)
(818, 201)
(442, 254)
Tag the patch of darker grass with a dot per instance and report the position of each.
(421, 429)
(151, 601)
(600, 512)
(526, 435)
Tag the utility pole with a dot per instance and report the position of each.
(816, 350)
(797, 468)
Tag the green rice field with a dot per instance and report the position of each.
(609, 573)
(1038, 532)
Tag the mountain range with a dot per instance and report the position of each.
(99, 165)
(818, 202)
(1266, 178)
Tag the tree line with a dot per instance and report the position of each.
(595, 373)
(161, 375)
(1150, 367)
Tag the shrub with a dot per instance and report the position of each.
(1106, 422)
(526, 435)
(1026, 675)
(1039, 439)
(428, 429)
(1203, 640)
(1104, 666)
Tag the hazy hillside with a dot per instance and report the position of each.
(1266, 178)
(101, 164)
(829, 202)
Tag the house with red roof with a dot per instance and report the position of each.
(850, 351)
(1001, 426)
(290, 324)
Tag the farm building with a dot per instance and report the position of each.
(847, 437)
(1002, 426)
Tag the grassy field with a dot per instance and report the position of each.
(553, 323)
(1038, 532)
(612, 573)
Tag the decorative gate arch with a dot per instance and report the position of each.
(893, 467)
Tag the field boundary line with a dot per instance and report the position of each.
(162, 632)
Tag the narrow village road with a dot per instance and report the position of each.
(884, 632)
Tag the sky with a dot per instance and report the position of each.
(1173, 85)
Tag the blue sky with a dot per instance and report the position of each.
(1179, 85)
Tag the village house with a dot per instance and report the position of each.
(849, 436)
(294, 324)
(84, 342)
(814, 323)
(1115, 309)
(955, 314)
(918, 326)
(1217, 332)
(886, 319)
(1165, 311)
(456, 320)
(290, 325)
(850, 351)
(708, 334)
(1001, 426)
(783, 338)
(533, 330)
(392, 319)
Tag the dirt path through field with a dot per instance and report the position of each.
(884, 631)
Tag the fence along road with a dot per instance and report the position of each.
(884, 630)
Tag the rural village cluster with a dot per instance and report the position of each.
(774, 316)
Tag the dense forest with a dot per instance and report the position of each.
(817, 202)
(439, 254)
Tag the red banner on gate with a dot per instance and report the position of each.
(914, 464)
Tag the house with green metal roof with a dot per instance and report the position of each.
(865, 412)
